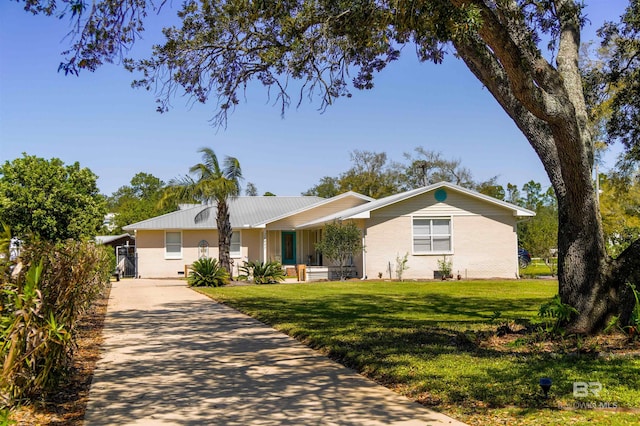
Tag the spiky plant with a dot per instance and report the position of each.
(207, 272)
(262, 273)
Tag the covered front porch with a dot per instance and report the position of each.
(295, 250)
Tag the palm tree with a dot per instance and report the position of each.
(212, 184)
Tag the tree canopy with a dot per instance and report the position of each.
(619, 79)
(341, 241)
(539, 235)
(47, 199)
(138, 201)
(620, 206)
(374, 175)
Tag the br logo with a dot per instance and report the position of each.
(584, 389)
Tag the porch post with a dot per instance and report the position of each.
(364, 257)
(264, 246)
(300, 254)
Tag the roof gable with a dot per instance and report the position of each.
(364, 211)
(325, 203)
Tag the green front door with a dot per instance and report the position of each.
(288, 248)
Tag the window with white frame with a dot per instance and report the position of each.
(431, 235)
(173, 245)
(235, 248)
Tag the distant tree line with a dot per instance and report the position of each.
(373, 174)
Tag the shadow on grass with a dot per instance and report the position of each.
(425, 346)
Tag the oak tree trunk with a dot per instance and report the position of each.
(547, 104)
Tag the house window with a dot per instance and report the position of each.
(173, 245)
(431, 235)
(235, 248)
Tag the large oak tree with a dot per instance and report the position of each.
(332, 45)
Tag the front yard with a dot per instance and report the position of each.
(473, 350)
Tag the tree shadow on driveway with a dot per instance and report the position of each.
(191, 361)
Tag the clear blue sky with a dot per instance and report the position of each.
(98, 120)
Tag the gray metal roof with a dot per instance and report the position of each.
(318, 204)
(106, 239)
(244, 212)
(354, 212)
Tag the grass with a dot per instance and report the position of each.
(432, 341)
(537, 267)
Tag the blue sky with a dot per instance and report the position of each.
(98, 120)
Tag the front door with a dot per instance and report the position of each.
(288, 248)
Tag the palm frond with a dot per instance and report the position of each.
(262, 273)
(210, 159)
(180, 189)
(232, 170)
(202, 171)
(204, 214)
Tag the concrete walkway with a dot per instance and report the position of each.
(174, 357)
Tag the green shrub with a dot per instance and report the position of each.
(445, 266)
(207, 272)
(262, 273)
(633, 328)
(42, 302)
(401, 265)
(556, 314)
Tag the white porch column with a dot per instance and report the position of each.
(264, 246)
(364, 257)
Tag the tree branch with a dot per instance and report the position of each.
(486, 67)
(568, 66)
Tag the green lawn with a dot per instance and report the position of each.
(428, 341)
(537, 267)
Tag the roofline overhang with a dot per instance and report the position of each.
(363, 215)
(316, 205)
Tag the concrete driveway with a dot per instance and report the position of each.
(172, 356)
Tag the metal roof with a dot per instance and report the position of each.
(106, 239)
(244, 212)
(318, 204)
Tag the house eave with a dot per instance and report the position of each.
(363, 215)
